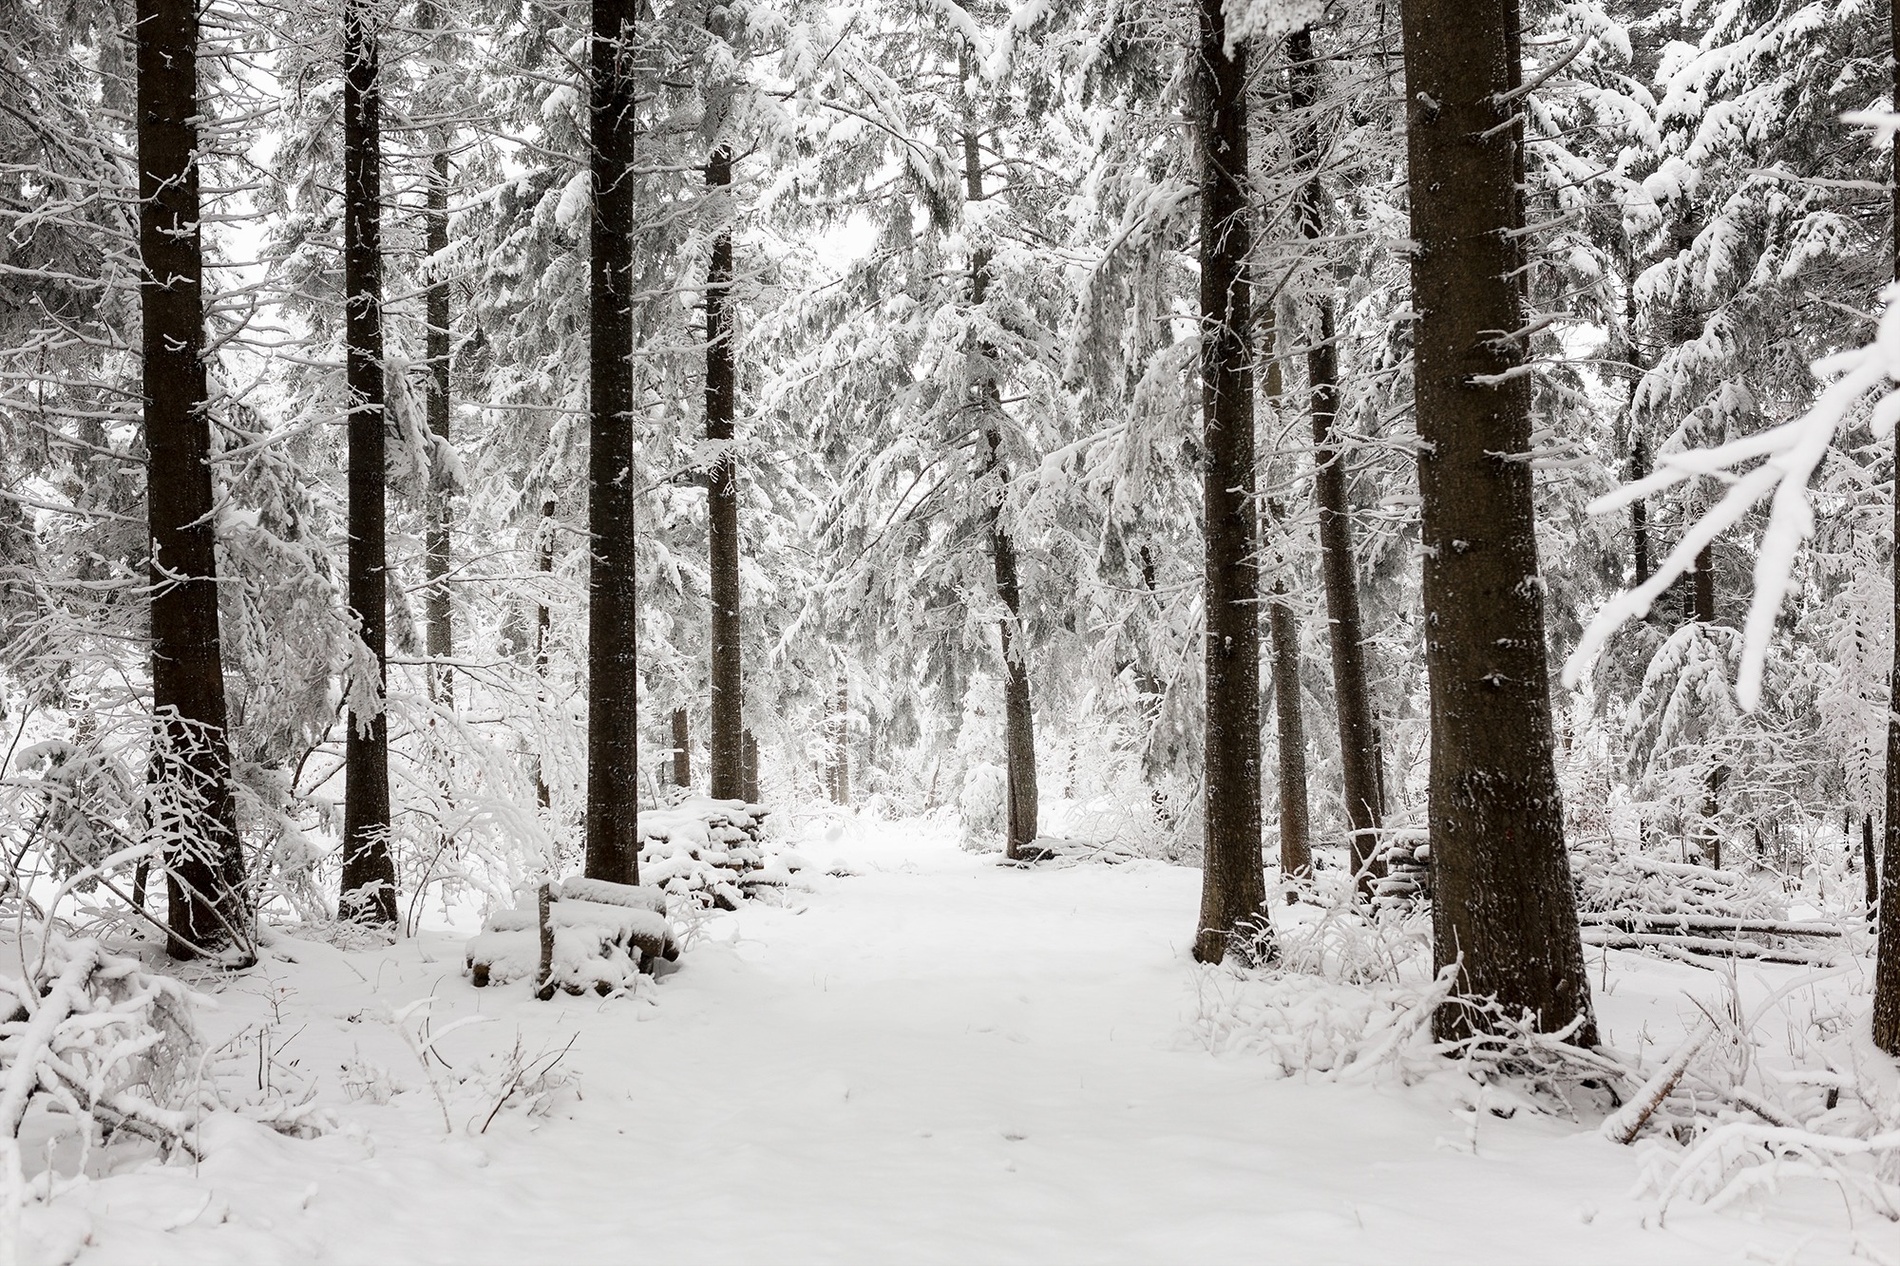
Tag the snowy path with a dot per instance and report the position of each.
(935, 1060)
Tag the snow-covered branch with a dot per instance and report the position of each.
(1790, 454)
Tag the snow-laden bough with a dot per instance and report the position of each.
(1790, 453)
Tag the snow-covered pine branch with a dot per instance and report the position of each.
(1790, 453)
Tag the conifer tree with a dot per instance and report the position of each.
(191, 760)
(1233, 917)
(613, 760)
(1504, 909)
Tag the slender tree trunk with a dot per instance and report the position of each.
(1886, 1018)
(1871, 870)
(1639, 509)
(682, 757)
(1283, 638)
(841, 746)
(191, 763)
(369, 871)
(1345, 630)
(725, 752)
(1504, 906)
(1233, 918)
(750, 746)
(1296, 818)
(1019, 717)
(613, 735)
(1704, 609)
(543, 626)
(439, 613)
(1704, 590)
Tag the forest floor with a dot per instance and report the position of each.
(934, 1058)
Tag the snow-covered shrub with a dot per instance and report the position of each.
(983, 806)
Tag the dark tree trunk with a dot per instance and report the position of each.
(369, 871)
(1019, 717)
(682, 757)
(613, 736)
(1283, 637)
(1886, 1019)
(543, 626)
(439, 613)
(725, 754)
(1504, 905)
(1296, 818)
(1358, 757)
(1871, 869)
(1704, 609)
(191, 763)
(1233, 918)
(1639, 509)
(750, 766)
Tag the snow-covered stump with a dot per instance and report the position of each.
(604, 936)
(711, 852)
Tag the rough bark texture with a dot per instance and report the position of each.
(1886, 1018)
(1345, 631)
(439, 614)
(749, 791)
(369, 871)
(613, 737)
(725, 754)
(682, 757)
(1504, 904)
(1233, 916)
(543, 626)
(1870, 870)
(1283, 637)
(191, 760)
(1296, 817)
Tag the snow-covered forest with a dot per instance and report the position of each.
(949, 630)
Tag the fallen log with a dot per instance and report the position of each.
(1707, 946)
(1643, 921)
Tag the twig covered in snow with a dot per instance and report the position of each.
(1623, 1125)
(1790, 453)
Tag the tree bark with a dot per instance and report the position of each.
(369, 871)
(750, 791)
(1504, 906)
(1358, 757)
(613, 737)
(1019, 717)
(439, 613)
(1233, 918)
(1886, 1010)
(1296, 817)
(682, 756)
(841, 745)
(725, 753)
(208, 907)
(543, 627)
(1283, 639)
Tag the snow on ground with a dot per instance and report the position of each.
(935, 1059)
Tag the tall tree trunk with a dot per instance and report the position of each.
(438, 614)
(1283, 639)
(191, 762)
(682, 757)
(369, 871)
(543, 626)
(1711, 835)
(1296, 816)
(725, 753)
(1019, 717)
(1639, 509)
(613, 735)
(1233, 918)
(1871, 869)
(1504, 906)
(1886, 1019)
(1358, 758)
